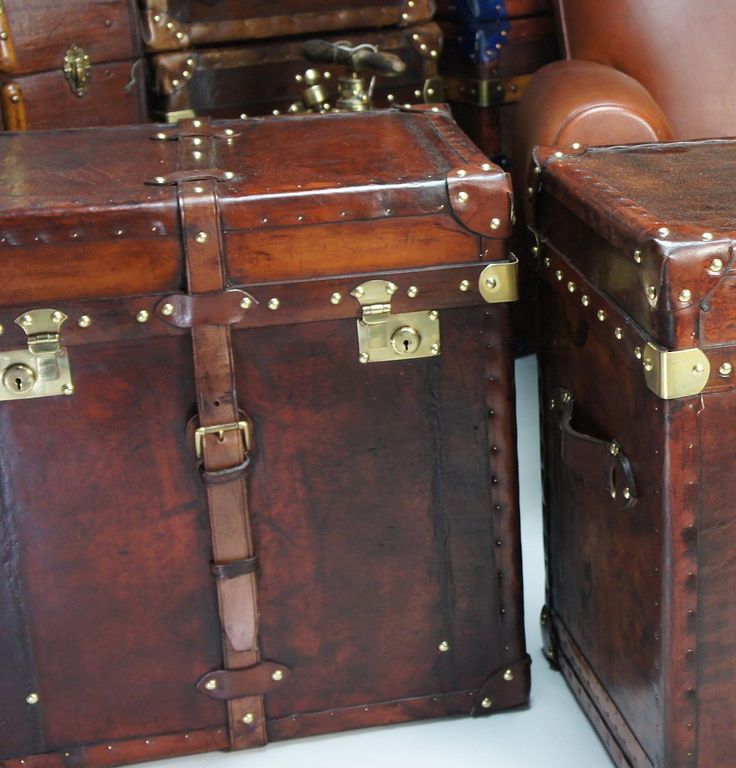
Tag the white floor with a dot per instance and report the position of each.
(552, 733)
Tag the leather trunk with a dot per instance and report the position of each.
(486, 64)
(637, 348)
(258, 460)
(228, 82)
(67, 64)
(171, 25)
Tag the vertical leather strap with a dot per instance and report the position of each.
(223, 447)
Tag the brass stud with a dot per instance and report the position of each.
(444, 646)
(495, 223)
(585, 300)
(637, 256)
(547, 261)
(277, 675)
(191, 62)
(67, 389)
(577, 145)
(491, 282)
(57, 317)
(613, 493)
(274, 303)
(32, 698)
(725, 370)
(486, 703)
(26, 321)
(601, 314)
(614, 448)
(363, 358)
(229, 132)
(170, 25)
(663, 232)
(707, 236)
(245, 302)
(336, 298)
(652, 293)
(637, 353)
(358, 292)
(412, 291)
(571, 286)
(462, 173)
(197, 123)
(464, 286)
(197, 141)
(405, 16)
(160, 136)
(167, 310)
(391, 289)
(559, 154)
(199, 190)
(558, 274)
(248, 718)
(716, 265)
(698, 369)
(433, 314)
(2, 329)
(685, 295)
(618, 333)
(229, 175)
(159, 180)
(197, 155)
(119, 232)
(626, 493)
(175, 83)
(485, 167)
(648, 364)
(434, 349)
(201, 237)
(508, 675)
(157, 18)
(211, 684)
(84, 321)
(463, 197)
(142, 316)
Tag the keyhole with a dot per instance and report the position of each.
(19, 384)
(406, 349)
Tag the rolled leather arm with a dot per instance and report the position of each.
(585, 102)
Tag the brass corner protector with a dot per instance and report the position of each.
(499, 282)
(671, 375)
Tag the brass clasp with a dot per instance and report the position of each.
(76, 70)
(219, 429)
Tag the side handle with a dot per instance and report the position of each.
(600, 461)
(7, 49)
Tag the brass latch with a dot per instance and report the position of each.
(76, 69)
(680, 373)
(41, 370)
(239, 426)
(384, 336)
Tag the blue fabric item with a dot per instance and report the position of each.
(481, 10)
(482, 42)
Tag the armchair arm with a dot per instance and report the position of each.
(585, 102)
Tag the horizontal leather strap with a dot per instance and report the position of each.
(215, 477)
(237, 683)
(188, 310)
(235, 569)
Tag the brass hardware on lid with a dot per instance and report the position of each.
(679, 373)
(41, 370)
(383, 336)
(76, 69)
(499, 282)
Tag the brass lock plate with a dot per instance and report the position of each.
(42, 369)
(400, 337)
(77, 70)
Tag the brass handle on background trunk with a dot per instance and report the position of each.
(7, 49)
(601, 461)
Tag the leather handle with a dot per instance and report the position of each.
(13, 107)
(7, 49)
(600, 461)
(356, 59)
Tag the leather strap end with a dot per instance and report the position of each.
(236, 683)
(236, 568)
(219, 308)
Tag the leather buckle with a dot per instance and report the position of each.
(219, 429)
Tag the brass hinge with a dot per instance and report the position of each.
(499, 282)
(41, 370)
(384, 336)
(670, 375)
(486, 93)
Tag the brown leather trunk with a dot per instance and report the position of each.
(484, 95)
(637, 351)
(228, 82)
(39, 42)
(171, 25)
(225, 519)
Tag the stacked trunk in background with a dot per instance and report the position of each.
(491, 49)
(215, 60)
(68, 64)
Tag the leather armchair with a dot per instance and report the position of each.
(635, 71)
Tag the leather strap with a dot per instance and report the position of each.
(235, 683)
(233, 570)
(221, 450)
